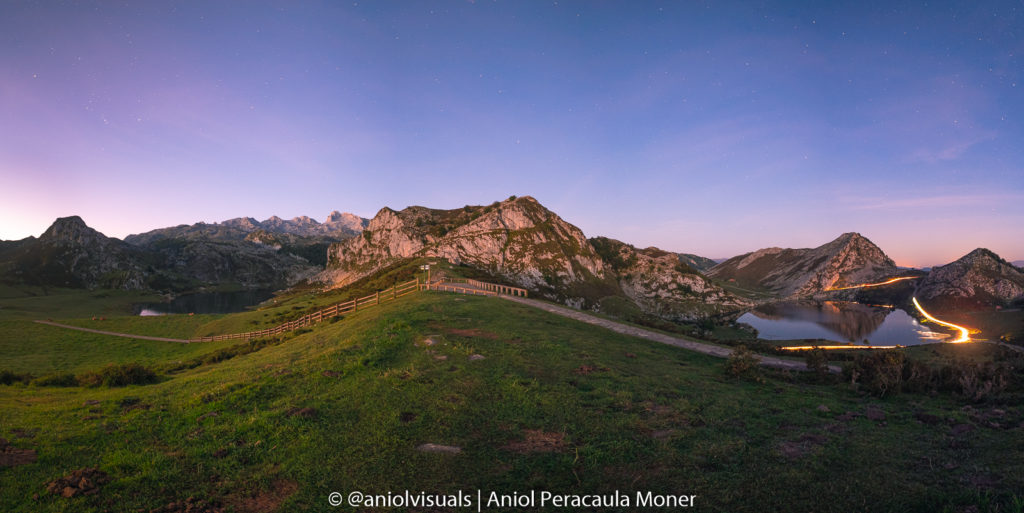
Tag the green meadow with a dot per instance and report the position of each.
(553, 404)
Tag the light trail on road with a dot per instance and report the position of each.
(965, 334)
(866, 285)
(830, 348)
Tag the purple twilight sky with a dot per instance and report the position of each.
(707, 127)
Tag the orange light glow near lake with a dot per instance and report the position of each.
(965, 334)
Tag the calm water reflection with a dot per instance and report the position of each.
(839, 322)
(206, 302)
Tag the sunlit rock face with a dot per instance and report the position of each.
(848, 260)
(518, 239)
(979, 278)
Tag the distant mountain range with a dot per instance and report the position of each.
(240, 252)
(517, 240)
(979, 279)
(337, 226)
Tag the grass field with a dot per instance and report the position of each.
(554, 404)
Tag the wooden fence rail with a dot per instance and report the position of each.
(458, 285)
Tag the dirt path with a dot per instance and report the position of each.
(625, 329)
(113, 333)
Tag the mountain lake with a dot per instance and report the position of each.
(206, 303)
(843, 322)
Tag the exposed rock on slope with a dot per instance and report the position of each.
(979, 278)
(697, 262)
(517, 239)
(241, 263)
(850, 259)
(526, 244)
(660, 284)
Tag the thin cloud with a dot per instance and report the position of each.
(935, 201)
(950, 151)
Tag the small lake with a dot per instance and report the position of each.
(840, 322)
(206, 303)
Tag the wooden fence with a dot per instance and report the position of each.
(460, 286)
(492, 289)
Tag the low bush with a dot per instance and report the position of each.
(226, 353)
(888, 372)
(817, 361)
(119, 375)
(56, 380)
(743, 363)
(10, 378)
(879, 372)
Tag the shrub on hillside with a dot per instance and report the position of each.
(977, 381)
(119, 375)
(10, 378)
(817, 361)
(879, 372)
(743, 363)
(56, 380)
(890, 372)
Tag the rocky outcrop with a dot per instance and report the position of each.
(661, 285)
(697, 262)
(517, 239)
(343, 221)
(979, 278)
(848, 260)
(235, 263)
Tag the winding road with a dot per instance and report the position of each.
(625, 329)
(114, 333)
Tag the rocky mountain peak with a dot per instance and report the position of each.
(516, 238)
(848, 259)
(71, 229)
(979, 278)
(346, 220)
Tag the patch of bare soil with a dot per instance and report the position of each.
(84, 481)
(587, 369)
(662, 434)
(189, 505)
(11, 456)
(306, 413)
(25, 433)
(472, 333)
(801, 447)
(266, 501)
(538, 441)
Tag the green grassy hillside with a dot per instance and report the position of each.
(554, 404)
